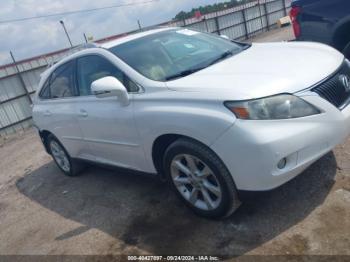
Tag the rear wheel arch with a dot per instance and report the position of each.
(75, 165)
(44, 134)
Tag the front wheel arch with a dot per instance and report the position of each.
(189, 146)
(161, 144)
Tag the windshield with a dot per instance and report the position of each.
(175, 53)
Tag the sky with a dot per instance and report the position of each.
(34, 37)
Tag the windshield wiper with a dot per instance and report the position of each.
(223, 56)
(246, 46)
(184, 73)
(187, 72)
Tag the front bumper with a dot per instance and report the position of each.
(251, 149)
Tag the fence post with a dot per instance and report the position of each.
(206, 24)
(21, 79)
(245, 24)
(216, 19)
(261, 17)
(284, 7)
(139, 24)
(267, 17)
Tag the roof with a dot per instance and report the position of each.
(131, 37)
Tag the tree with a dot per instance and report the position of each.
(210, 8)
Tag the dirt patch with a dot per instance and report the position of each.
(297, 244)
(2, 207)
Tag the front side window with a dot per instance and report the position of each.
(93, 67)
(175, 53)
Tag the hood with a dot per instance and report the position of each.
(264, 70)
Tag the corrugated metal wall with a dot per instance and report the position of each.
(237, 23)
(241, 22)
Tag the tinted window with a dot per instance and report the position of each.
(62, 81)
(93, 67)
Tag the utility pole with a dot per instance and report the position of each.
(138, 22)
(86, 41)
(261, 18)
(65, 30)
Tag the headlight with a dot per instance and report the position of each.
(275, 107)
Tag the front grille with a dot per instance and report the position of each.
(333, 89)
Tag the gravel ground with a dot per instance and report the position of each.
(275, 35)
(116, 212)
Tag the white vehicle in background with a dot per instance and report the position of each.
(210, 115)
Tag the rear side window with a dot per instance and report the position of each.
(45, 91)
(62, 81)
(93, 67)
(60, 84)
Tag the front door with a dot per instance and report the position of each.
(108, 126)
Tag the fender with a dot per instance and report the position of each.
(204, 123)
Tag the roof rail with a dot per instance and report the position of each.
(84, 46)
(76, 49)
(91, 45)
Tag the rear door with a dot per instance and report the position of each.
(56, 109)
(108, 126)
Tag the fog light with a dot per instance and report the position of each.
(282, 163)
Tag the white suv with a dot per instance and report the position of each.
(210, 115)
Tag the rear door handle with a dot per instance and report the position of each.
(47, 113)
(83, 113)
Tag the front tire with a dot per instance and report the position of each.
(200, 179)
(61, 157)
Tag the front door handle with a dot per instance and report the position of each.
(83, 113)
(47, 113)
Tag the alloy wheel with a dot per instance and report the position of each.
(196, 182)
(60, 156)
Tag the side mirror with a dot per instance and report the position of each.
(109, 86)
(225, 37)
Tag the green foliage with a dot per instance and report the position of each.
(210, 8)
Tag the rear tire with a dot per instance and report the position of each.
(200, 179)
(61, 157)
